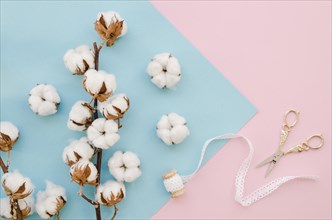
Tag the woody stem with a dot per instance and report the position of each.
(119, 124)
(115, 211)
(3, 166)
(18, 210)
(8, 159)
(81, 193)
(95, 116)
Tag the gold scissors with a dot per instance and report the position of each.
(286, 129)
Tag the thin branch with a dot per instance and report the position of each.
(3, 166)
(58, 215)
(90, 200)
(119, 124)
(115, 211)
(81, 193)
(8, 159)
(18, 210)
(96, 51)
(95, 116)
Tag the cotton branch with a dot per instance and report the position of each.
(115, 212)
(3, 166)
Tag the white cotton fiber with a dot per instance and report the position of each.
(79, 60)
(76, 150)
(99, 84)
(165, 70)
(26, 206)
(13, 181)
(79, 175)
(44, 100)
(124, 166)
(103, 133)
(9, 129)
(50, 201)
(108, 190)
(172, 128)
(80, 116)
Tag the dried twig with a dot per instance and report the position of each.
(95, 116)
(58, 215)
(18, 211)
(3, 166)
(115, 211)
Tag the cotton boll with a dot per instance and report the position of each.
(50, 201)
(16, 185)
(7, 211)
(80, 116)
(110, 193)
(110, 26)
(27, 206)
(172, 128)
(103, 133)
(8, 135)
(44, 100)
(76, 150)
(165, 70)
(124, 166)
(84, 172)
(115, 107)
(79, 60)
(93, 81)
(99, 84)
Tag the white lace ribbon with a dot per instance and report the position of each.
(241, 174)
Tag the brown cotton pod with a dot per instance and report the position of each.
(82, 173)
(102, 95)
(114, 199)
(70, 162)
(80, 71)
(26, 212)
(6, 143)
(19, 194)
(117, 110)
(60, 203)
(110, 33)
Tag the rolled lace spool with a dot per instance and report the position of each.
(175, 184)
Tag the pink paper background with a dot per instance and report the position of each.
(278, 54)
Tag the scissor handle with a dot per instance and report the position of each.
(311, 138)
(287, 124)
(306, 145)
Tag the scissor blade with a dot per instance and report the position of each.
(266, 161)
(274, 161)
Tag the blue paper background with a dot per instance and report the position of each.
(34, 38)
